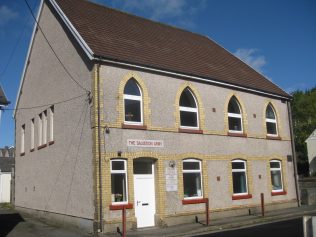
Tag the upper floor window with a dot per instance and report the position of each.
(189, 117)
(23, 138)
(192, 178)
(239, 171)
(276, 175)
(234, 116)
(271, 122)
(118, 181)
(133, 103)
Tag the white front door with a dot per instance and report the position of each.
(5, 187)
(144, 193)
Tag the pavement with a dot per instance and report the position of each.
(221, 224)
(12, 224)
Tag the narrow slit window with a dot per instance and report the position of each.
(23, 138)
(51, 123)
(44, 117)
(32, 134)
(40, 130)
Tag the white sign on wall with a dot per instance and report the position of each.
(145, 143)
(171, 179)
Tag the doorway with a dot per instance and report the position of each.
(144, 192)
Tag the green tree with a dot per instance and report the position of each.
(304, 123)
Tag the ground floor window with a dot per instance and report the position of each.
(192, 178)
(276, 175)
(239, 171)
(118, 181)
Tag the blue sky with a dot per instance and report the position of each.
(277, 38)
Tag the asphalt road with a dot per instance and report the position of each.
(289, 228)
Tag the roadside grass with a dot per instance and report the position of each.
(6, 205)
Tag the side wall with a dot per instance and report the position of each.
(214, 147)
(56, 177)
(311, 149)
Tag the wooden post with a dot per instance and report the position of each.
(207, 211)
(262, 204)
(124, 221)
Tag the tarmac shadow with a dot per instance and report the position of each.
(8, 222)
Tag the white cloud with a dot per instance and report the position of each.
(6, 14)
(250, 57)
(176, 12)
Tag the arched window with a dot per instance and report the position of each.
(276, 176)
(240, 183)
(271, 122)
(189, 117)
(133, 103)
(192, 178)
(234, 116)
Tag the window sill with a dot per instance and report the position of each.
(131, 126)
(276, 193)
(185, 130)
(232, 134)
(32, 150)
(194, 201)
(273, 137)
(22, 154)
(239, 197)
(51, 143)
(41, 146)
(114, 207)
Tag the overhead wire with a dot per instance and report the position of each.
(49, 104)
(52, 49)
(14, 49)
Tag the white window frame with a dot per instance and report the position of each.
(240, 170)
(190, 109)
(32, 133)
(277, 169)
(193, 171)
(23, 138)
(126, 179)
(136, 98)
(268, 120)
(234, 115)
(51, 123)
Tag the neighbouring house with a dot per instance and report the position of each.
(142, 116)
(311, 151)
(6, 173)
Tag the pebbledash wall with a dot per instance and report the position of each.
(214, 147)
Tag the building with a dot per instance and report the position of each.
(6, 173)
(311, 150)
(147, 117)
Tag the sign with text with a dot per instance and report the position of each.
(171, 179)
(145, 143)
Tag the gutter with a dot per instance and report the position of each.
(298, 198)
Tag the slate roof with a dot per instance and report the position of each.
(115, 35)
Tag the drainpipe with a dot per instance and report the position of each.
(293, 153)
(99, 149)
